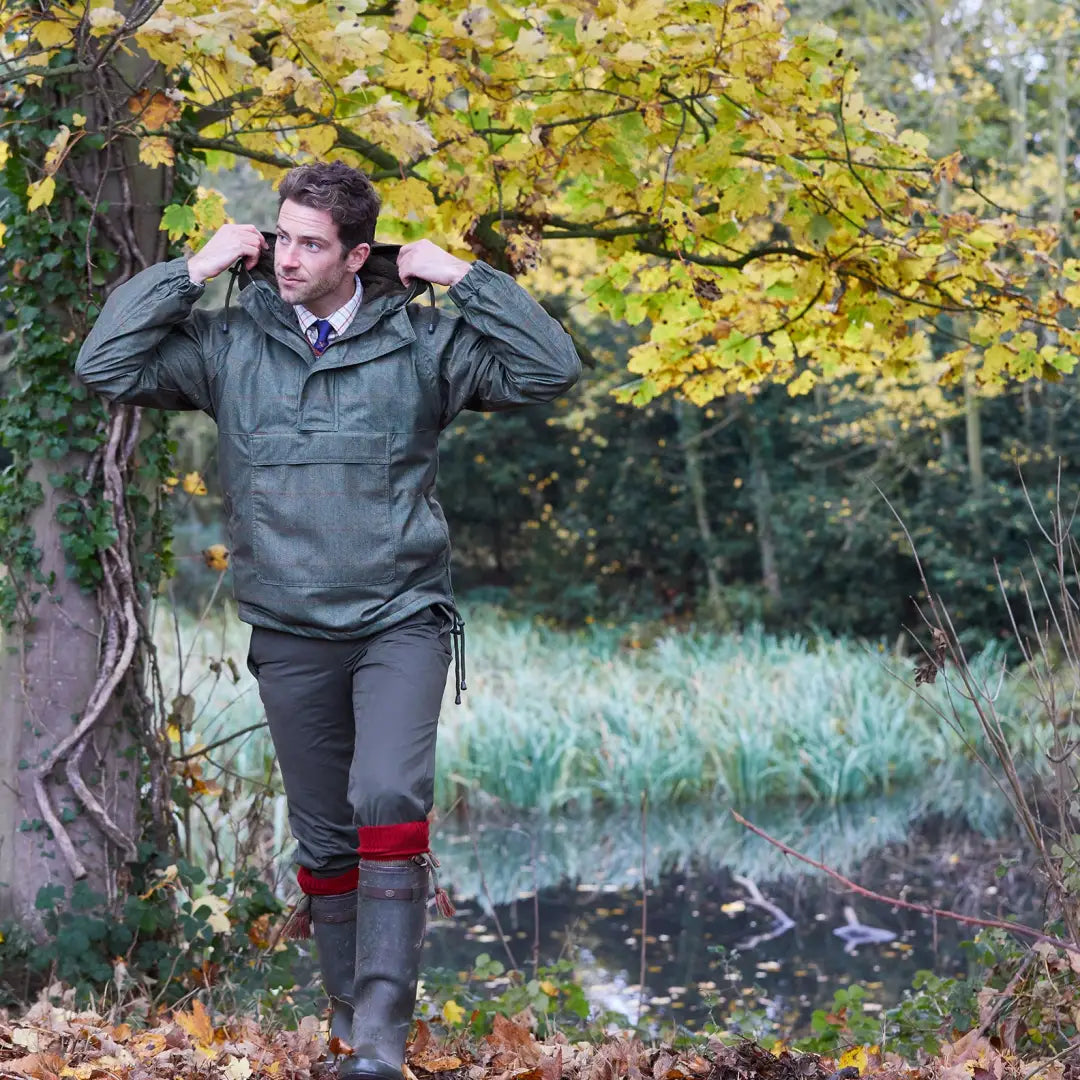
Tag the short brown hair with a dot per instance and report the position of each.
(344, 192)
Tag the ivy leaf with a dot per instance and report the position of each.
(41, 193)
(58, 148)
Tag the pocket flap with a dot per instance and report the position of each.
(320, 447)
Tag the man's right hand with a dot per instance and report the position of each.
(228, 244)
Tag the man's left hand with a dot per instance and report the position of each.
(427, 261)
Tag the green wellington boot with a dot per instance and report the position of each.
(391, 918)
(333, 923)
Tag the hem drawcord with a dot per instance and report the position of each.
(457, 634)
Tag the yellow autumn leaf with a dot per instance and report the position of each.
(197, 1024)
(78, 120)
(209, 209)
(3, 153)
(173, 731)
(549, 988)
(531, 45)
(453, 1013)
(41, 193)
(51, 34)
(105, 19)
(802, 384)
(165, 877)
(156, 150)
(54, 156)
(216, 557)
(213, 910)
(3, 229)
(193, 484)
(172, 481)
(856, 1056)
(411, 199)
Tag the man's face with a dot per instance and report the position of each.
(309, 262)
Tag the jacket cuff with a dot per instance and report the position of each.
(183, 278)
(479, 275)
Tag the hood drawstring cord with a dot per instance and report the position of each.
(234, 273)
(434, 312)
(457, 632)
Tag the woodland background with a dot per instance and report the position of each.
(760, 507)
(820, 263)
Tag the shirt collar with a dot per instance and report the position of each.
(339, 319)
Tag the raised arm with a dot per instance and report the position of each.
(148, 347)
(505, 351)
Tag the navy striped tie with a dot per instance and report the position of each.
(323, 326)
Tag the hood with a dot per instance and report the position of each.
(378, 276)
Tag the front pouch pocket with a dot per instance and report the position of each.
(320, 509)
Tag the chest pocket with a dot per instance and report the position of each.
(320, 507)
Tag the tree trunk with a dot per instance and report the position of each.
(761, 491)
(56, 652)
(973, 429)
(688, 419)
(47, 672)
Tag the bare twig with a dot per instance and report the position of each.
(644, 901)
(782, 921)
(487, 894)
(895, 901)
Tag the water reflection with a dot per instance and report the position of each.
(717, 898)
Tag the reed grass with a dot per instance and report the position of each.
(556, 720)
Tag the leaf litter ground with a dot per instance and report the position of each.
(50, 1042)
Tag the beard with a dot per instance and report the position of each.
(304, 290)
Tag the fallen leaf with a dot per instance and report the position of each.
(237, 1069)
(855, 1057)
(28, 1039)
(197, 1024)
(80, 1072)
(439, 1064)
(42, 1066)
(422, 1040)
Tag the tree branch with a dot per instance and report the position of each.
(894, 901)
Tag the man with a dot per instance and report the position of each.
(329, 389)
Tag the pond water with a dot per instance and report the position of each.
(541, 890)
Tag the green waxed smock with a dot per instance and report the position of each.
(329, 465)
